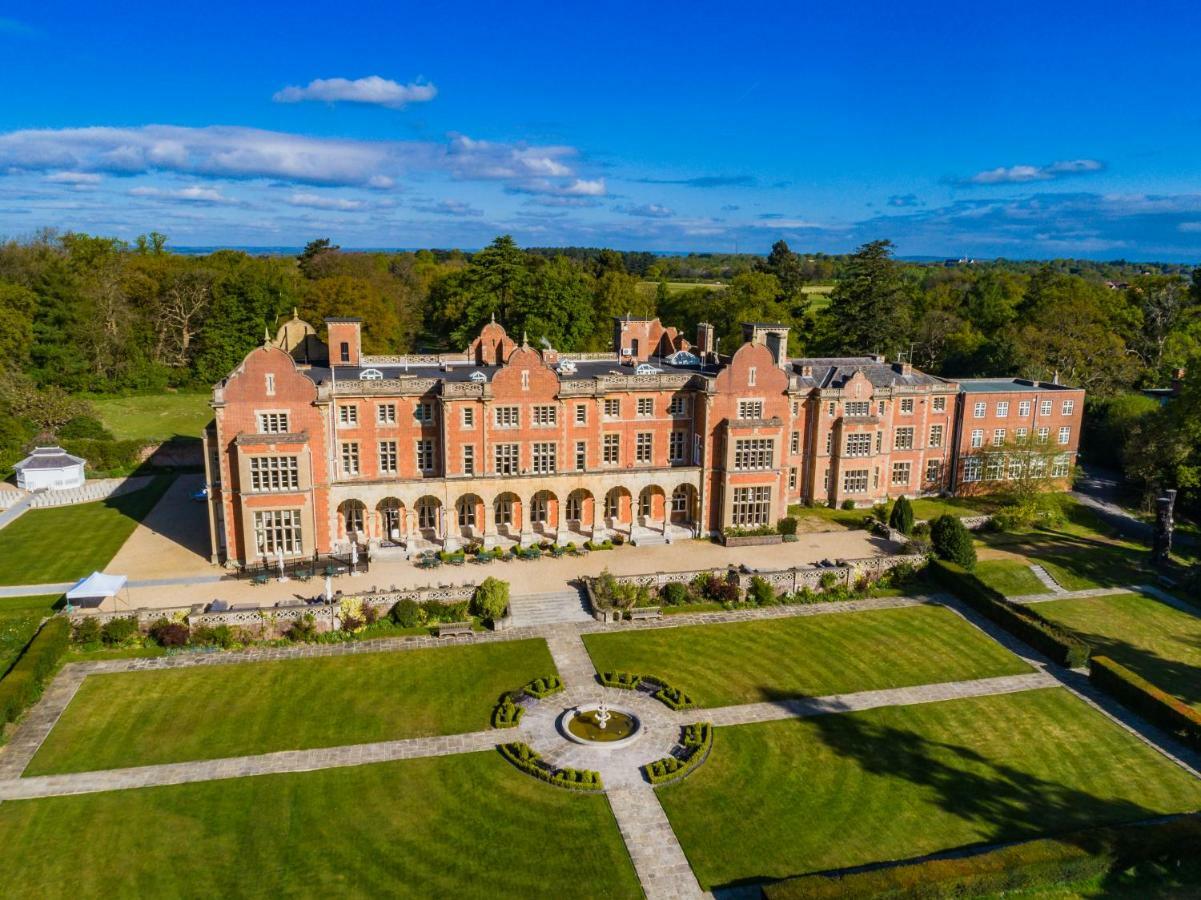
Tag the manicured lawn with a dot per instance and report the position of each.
(804, 795)
(19, 618)
(1013, 579)
(832, 653)
(1158, 642)
(923, 508)
(456, 826)
(68, 542)
(933, 507)
(155, 417)
(208, 712)
(1080, 554)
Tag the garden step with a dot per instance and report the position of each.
(548, 609)
(1045, 577)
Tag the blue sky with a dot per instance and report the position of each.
(1018, 130)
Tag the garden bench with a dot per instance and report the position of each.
(261, 578)
(645, 612)
(454, 629)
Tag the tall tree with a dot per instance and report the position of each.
(869, 308)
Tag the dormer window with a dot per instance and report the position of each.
(371, 375)
(478, 377)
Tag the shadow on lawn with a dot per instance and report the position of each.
(1010, 805)
(1177, 677)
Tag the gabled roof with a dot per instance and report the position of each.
(49, 458)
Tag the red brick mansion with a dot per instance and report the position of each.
(314, 444)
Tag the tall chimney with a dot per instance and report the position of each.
(706, 342)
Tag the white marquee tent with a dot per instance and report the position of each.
(95, 589)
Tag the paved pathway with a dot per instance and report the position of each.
(1062, 594)
(804, 707)
(14, 512)
(658, 857)
(245, 766)
(39, 721)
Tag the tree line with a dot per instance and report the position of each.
(83, 314)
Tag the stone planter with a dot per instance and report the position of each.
(751, 540)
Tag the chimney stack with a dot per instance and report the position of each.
(706, 341)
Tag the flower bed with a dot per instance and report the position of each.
(527, 760)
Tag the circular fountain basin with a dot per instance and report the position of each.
(581, 724)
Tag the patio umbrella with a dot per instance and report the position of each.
(354, 556)
(280, 556)
(329, 588)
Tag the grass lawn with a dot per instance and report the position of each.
(818, 517)
(1082, 553)
(1013, 579)
(19, 618)
(455, 826)
(143, 718)
(155, 417)
(66, 543)
(1158, 642)
(804, 795)
(807, 656)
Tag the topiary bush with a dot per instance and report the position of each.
(407, 613)
(787, 525)
(901, 517)
(674, 594)
(491, 599)
(952, 541)
(848, 504)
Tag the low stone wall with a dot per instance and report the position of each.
(270, 621)
(847, 572)
(90, 491)
(750, 540)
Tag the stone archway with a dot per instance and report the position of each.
(652, 506)
(683, 508)
(391, 514)
(469, 516)
(544, 514)
(579, 511)
(507, 514)
(428, 512)
(618, 509)
(352, 520)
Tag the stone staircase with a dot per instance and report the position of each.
(548, 609)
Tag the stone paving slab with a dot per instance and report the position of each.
(838, 703)
(1073, 595)
(38, 723)
(245, 766)
(658, 857)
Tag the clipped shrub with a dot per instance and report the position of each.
(1141, 696)
(674, 593)
(86, 631)
(169, 634)
(848, 504)
(1061, 645)
(787, 526)
(952, 541)
(544, 687)
(407, 613)
(507, 713)
(491, 599)
(436, 611)
(697, 741)
(828, 581)
(115, 632)
(627, 681)
(528, 760)
(901, 517)
(673, 697)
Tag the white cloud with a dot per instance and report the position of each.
(1023, 174)
(646, 211)
(371, 90)
(222, 151)
(192, 194)
(73, 178)
(317, 201)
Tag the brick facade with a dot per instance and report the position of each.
(312, 447)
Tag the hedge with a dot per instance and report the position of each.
(666, 694)
(1028, 866)
(544, 687)
(525, 758)
(23, 684)
(507, 713)
(1142, 697)
(1061, 645)
(697, 741)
